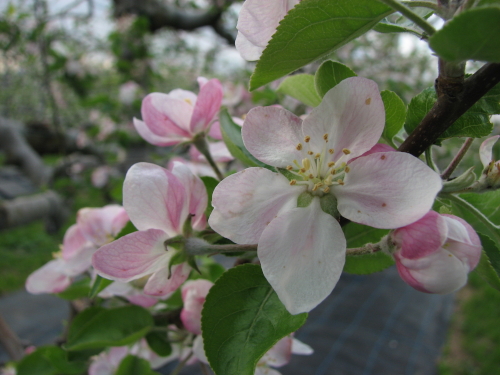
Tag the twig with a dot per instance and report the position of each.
(10, 341)
(457, 159)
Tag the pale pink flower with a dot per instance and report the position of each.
(490, 178)
(257, 22)
(435, 254)
(158, 202)
(301, 246)
(194, 293)
(177, 117)
(133, 295)
(94, 227)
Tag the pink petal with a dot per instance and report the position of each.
(302, 253)
(101, 225)
(155, 198)
(161, 285)
(194, 293)
(247, 49)
(422, 237)
(207, 106)
(157, 140)
(379, 147)
(73, 241)
(439, 273)
(197, 198)
(463, 241)
(272, 134)
(486, 150)
(50, 278)
(246, 202)
(215, 131)
(280, 354)
(218, 150)
(133, 256)
(387, 190)
(166, 116)
(353, 116)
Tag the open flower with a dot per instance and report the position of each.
(435, 254)
(158, 202)
(169, 119)
(490, 178)
(301, 246)
(257, 22)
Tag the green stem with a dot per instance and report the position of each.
(369, 248)
(408, 13)
(429, 160)
(457, 159)
(197, 246)
(201, 144)
(423, 4)
(493, 230)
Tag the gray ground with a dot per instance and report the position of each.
(370, 325)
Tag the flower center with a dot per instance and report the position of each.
(317, 170)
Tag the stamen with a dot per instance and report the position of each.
(333, 171)
(328, 180)
(326, 189)
(325, 137)
(306, 163)
(293, 182)
(346, 151)
(299, 147)
(331, 151)
(307, 139)
(340, 182)
(315, 187)
(311, 176)
(289, 167)
(331, 164)
(302, 170)
(310, 152)
(317, 156)
(347, 169)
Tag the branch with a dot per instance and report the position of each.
(162, 15)
(451, 104)
(9, 340)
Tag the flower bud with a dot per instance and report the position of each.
(435, 254)
(462, 182)
(194, 293)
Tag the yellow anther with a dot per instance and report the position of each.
(340, 182)
(306, 163)
(331, 164)
(331, 151)
(293, 182)
(188, 101)
(289, 167)
(347, 169)
(333, 171)
(317, 156)
(315, 187)
(310, 152)
(299, 147)
(368, 101)
(346, 151)
(325, 137)
(302, 170)
(307, 139)
(243, 116)
(326, 189)
(311, 175)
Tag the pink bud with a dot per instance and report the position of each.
(194, 293)
(435, 254)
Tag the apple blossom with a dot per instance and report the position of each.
(257, 22)
(177, 117)
(194, 293)
(490, 178)
(158, 202)
(301, 246)
(435, 254)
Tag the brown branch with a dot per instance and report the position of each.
(9, 340)
(452, 103)
(161, 15)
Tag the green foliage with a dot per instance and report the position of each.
(329, 74)
(132, 365)
(49, 360)
(301, 87)
(473, 123)
(395, 114)
(210, 184)
(79, 289)
(314, 29)
(158, 342)
(471, 35)
(97, 327)
(99, 285)
(242, 319)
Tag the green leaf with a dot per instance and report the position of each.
(329, 74)
(127, 229)
(485, 268)
(158, 342)
(132, 365)
(395, 114)
(490, 103)
(358, 235)
(79, 289)
(471, 35)
(231, 133)
(210, 184)
(49, 360)
(242, 319)
(314, 29)
(99, 285)
(473, 123)
(301, 87)
(385, 28)
(97, 327)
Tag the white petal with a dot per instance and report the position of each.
(246, 202)
(486, 150)
(387, 190)
(298, 347)
(302, 253)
